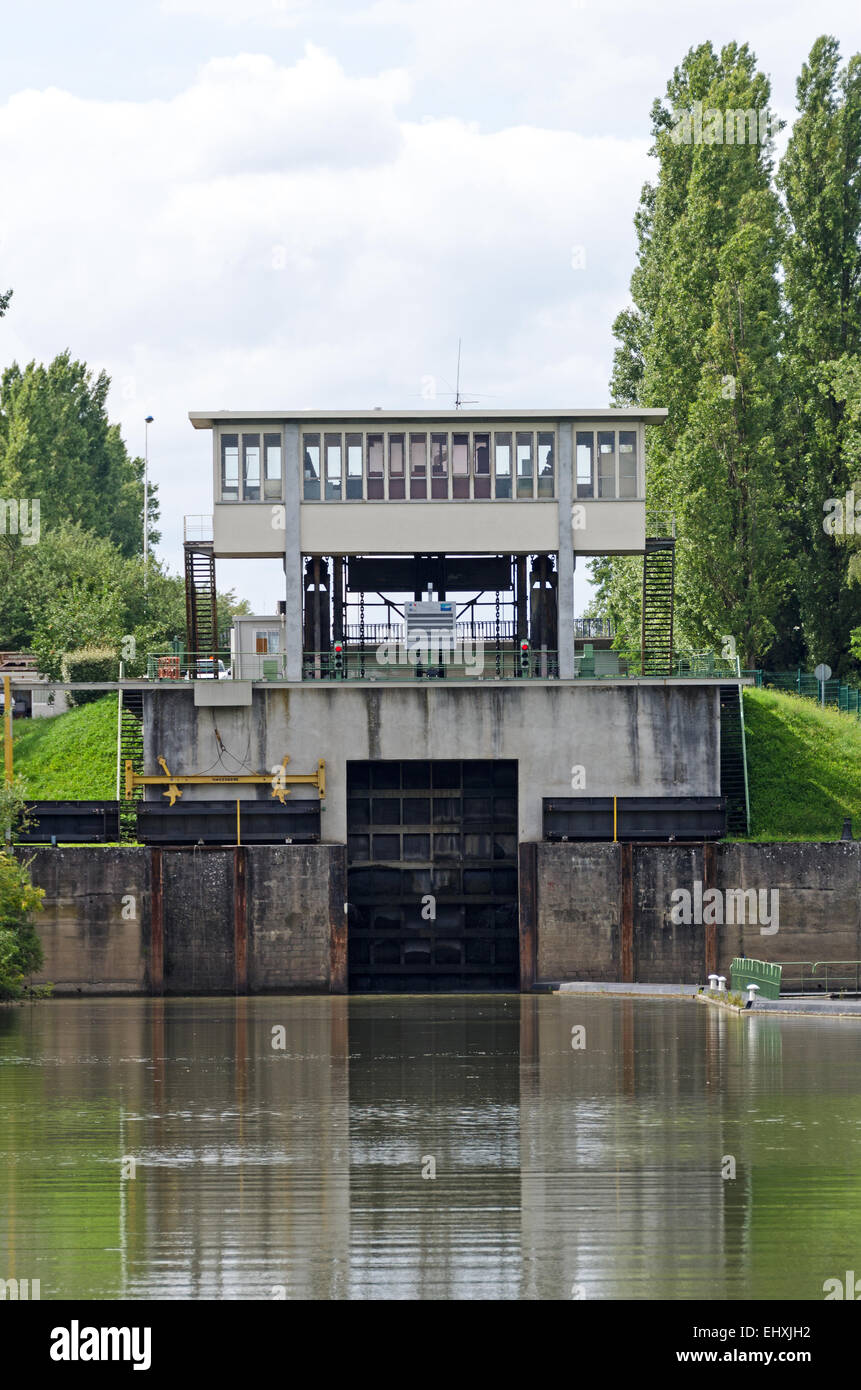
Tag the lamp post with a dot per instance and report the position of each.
(147, 423)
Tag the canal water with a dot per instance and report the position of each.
(494, 1147)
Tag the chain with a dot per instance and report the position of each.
(498, 649)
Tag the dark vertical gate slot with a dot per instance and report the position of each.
(426, 837)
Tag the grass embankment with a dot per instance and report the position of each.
(804, 767)
(804, 762)
(70, 757)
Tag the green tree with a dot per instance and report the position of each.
(702, 339)
(57, 444)
(4, 302)
(820, 178)
(20, 948)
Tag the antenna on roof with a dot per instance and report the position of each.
(458, 400)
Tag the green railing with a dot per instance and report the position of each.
(177, 665)
(765, 974)
(839, 695)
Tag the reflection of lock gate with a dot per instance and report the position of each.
(279, 780)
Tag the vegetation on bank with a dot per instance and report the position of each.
(804, 767)
(70, 757)
(804, 762)
(20, 948)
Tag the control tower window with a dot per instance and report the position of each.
(585, 447)
(439, 466)
(482, 465)
(272, 464)
(606, 463)
(354, 467)
(418, 465)
(502, 459)
(311, 457)
(460, 465)
(230, 468)
(627, 463)
(251, 467)
(375, 467)
(332, 444)
(524, 464)
(545, 464)
(397, 479)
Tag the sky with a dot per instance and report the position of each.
(266, 204)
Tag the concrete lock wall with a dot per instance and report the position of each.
(134, 920)
(630, 739)
(604, 911)
(196, 921)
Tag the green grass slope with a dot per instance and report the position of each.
(804, 762)
(70, 756)
(804, 767)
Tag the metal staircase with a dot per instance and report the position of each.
(733, 761)
(659, 569)
(201, 616)
(130, 747)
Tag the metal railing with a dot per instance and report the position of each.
(177, 666)
(197, 528)
(464, 662)
(846, 698)
(820, 976)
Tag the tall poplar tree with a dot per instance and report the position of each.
(820, 178)
(702, 339)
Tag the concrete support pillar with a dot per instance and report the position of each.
(565, 565)
(293, 552)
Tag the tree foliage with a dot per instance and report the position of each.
(745, 323)
(20, 948)
(57, 444)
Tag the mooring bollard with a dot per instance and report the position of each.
(752, 992)
(721, 984)
(713, 979)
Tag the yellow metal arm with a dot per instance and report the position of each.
(278, 780)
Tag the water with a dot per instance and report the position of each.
(307, 1170)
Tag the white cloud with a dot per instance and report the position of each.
(282, 236)
(279, 13)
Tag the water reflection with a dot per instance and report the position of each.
(426, 1148)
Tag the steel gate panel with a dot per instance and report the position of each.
(430, 837)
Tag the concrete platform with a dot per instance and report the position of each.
(592, 987)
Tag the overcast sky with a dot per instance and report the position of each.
(297, 203)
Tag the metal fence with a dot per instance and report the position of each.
(836, 693)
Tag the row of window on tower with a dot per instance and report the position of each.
(437, 465)
(418, 465)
